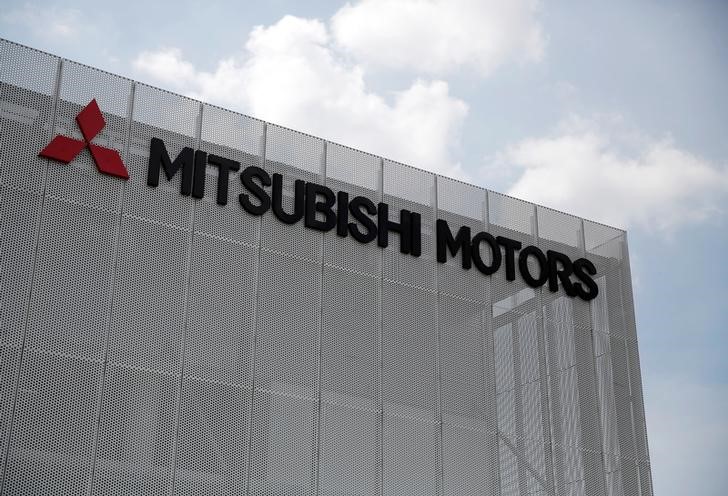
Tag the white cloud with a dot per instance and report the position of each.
(290, 74)
(166, 66)
(436, 36)
(583, 168)
(47, 22)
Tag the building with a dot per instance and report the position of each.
(158, 337)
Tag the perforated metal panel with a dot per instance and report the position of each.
(460, 205)
(175, 120)
(236, 137)
(147, 321)
(283, 445)
(410, 456)
(136, 432)
(357, 174)
(71, 291)
(348, 451)
(288, 327)
(414, 190)
(152, 342)
(222, 300)
(213, 442)
(470, 462)
(467, 364)
(350, 356)
(28, 84)
(19, 224)
(51, 444)
(409, 352)
(296, 156)
(9, 360)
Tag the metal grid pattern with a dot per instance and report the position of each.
(79, 298)
(154, 343)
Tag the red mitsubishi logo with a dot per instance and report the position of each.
(91, 122)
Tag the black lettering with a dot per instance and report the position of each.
(494, 250)
(198, 184)
(312, 206)
(159, 158)
(403, 228)
(562, 274)
(416, 234)
(583, 270)
(257, 191)
(355, 208)
(510, 245)
(445, 242)
(298, 200)
(523, 266)
(342, 216)
(224, 166)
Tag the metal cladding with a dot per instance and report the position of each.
(153, 342)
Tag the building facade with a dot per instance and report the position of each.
(157, 337)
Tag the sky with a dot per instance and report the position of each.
(613, 111)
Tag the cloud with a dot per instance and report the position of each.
(290, 74)
(47, 22)
(596, 172)
(166, 66)
(438, 36)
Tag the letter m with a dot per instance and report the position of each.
(159, 158)
(445, 241)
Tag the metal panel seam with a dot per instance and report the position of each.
(582, 239)
(543, 376)
(380, 346)
(190, 245)
(520, 446)
(127, 132)
(439, 462)
(626, 265)
(317, 424)
(489, 329)
(256, 320)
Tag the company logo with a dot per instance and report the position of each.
(91, 122)
(323, 209)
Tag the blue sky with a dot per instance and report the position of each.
(619, 107)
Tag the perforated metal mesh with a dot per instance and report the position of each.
(136, 432)
(223, 300)
(348, 451)
(19, 223)
(155, 343)
(236, 137)
(28, 86)
(358, 174)
(212, 441)
(51, 440)
(69, 308)
(408, 188)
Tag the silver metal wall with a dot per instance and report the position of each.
(151, 343)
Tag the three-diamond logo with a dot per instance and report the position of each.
(91, 122)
